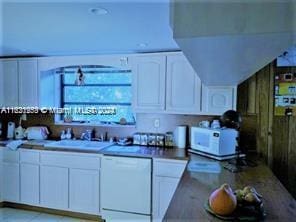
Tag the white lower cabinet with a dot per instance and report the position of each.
(29, 176)
(11, 182)
(70, 181)
(166, 177)
(164, 190)
(84, 191)
(54, 187)
(29, 183)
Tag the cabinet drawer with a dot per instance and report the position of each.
(70, 160)
(169, 168)
(29, 156)
(11, 156)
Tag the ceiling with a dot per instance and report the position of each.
(67, 27)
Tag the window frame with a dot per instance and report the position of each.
(62, 86)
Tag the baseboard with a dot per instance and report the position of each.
(51, 211)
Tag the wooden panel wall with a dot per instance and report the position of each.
(275, 135)
(262, 109)
(253, 103)
(292, 156)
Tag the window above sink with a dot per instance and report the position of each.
(104, 97)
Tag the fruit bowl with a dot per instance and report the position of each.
(242, 213)
(247, 203)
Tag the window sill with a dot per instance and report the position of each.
(111, 125)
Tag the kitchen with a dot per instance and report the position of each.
(108, 114)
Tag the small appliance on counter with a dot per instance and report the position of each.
(37, 133)
(218, 144)
(10, 130)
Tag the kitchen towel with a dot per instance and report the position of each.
(15, 144)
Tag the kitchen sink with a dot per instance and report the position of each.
(78, 144)
(123, 149)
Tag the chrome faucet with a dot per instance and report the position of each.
(87, 135)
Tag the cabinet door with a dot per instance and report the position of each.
(29, 183)
(183, 89)
(11, 183)
(84, 191)
(218, 99)
(54, 187)
(164, 189)
(149, 83)
(10, 83)
(28, 82)
(1, 85)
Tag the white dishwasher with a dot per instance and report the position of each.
(126, 188)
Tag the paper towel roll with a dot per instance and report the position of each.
(180, 136)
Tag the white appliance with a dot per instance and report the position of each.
(37, 133)
(216, 143)
(126, 189)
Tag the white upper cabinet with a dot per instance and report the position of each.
(183, 89)
(20, 82)
(218, 99)
(10, 83)
(1, 85)
(165, 83)
(28, 82)
(149, 83)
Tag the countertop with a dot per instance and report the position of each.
(143, 151)
(195, 187)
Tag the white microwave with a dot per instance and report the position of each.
(215, 142)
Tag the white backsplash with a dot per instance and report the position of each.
(167, 122)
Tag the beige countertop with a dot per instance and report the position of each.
(195, 188)
(143, 151)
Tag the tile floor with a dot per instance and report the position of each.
(16, 215)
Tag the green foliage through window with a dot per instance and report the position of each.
(105, 96)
